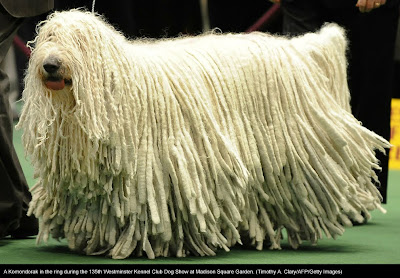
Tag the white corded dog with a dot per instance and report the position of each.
(187, 145)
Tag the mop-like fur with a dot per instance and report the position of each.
(188, 145)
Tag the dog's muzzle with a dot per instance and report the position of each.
(53, 79)
(51, 65)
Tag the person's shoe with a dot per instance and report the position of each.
(6, 227)
(28, 226)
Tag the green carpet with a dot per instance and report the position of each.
(377, 242)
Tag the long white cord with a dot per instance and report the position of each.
(93, 3)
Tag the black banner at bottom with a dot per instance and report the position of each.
(194, 269)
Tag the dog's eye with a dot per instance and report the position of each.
(51, 37)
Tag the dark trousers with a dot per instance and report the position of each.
(14, 192)
(371, 39)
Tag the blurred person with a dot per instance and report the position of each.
(14, 191)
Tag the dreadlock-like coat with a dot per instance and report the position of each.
(188, 145)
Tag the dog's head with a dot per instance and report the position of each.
(70, 47)
(75, 69)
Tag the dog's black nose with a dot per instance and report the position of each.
(51, 64)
